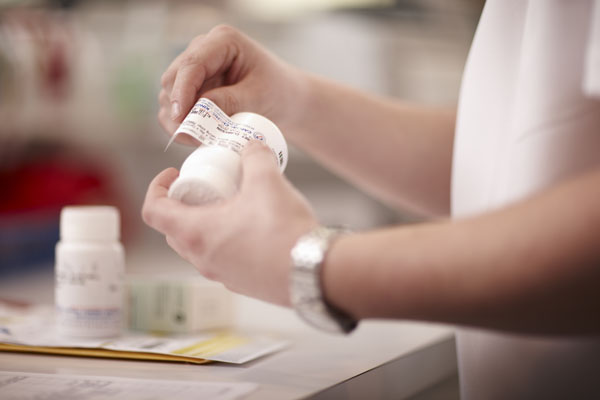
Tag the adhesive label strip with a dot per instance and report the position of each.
(208, 124)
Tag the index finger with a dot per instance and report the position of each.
(168, 77)
(159, 186)
(214, 53)
(159, 211)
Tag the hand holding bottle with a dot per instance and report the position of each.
(244, 241)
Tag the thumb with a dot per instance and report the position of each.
(259, 165)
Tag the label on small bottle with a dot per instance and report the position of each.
(208, 124)
(89, 293)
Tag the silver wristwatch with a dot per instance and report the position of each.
(305, 287)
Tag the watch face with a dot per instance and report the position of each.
(308, 253)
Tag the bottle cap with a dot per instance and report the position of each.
(210, 173)
(272, 135)
(207, 185)
(89, 223)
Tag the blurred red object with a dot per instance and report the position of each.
(40, 179)
(51, 183)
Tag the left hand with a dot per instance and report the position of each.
(243, 242)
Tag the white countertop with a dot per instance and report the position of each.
(380, 359)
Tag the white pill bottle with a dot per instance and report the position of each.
(213, 171)
(89, 272)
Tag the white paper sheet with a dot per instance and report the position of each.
(28, 386)
(33, 326)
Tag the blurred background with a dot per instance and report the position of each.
(78, 100)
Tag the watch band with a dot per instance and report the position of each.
(306, 288)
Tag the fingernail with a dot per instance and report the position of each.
(175, 110)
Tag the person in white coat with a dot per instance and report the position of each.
(516, 167)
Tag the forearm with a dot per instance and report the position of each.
(399, 152)
(531, 267)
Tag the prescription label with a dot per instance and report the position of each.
(210, 126)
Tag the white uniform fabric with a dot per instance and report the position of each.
(529, 117)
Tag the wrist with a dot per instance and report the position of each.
(299, 104)
(334, 280)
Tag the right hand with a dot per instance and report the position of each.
(243, 241)
(236, 73)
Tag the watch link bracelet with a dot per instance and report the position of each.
(306, 287)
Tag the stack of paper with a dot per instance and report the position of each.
(30, 329)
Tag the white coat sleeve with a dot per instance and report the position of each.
(591, 73)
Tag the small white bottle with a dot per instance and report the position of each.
(89, 272)
(213, 173)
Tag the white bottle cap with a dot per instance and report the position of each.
(89, 223)
(210, 173)
(274, 137)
